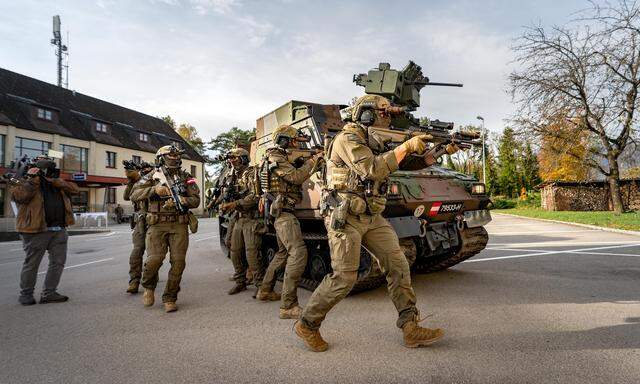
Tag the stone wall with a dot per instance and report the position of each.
(589, 196)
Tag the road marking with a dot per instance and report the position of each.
(560, 243)
(611, 254)
(531, 233)
(207, 238)
(569, 251)
(81, 265)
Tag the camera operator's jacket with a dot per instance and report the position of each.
(28, 196)
(157, 211)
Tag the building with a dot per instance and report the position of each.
(587, 195)
(93, 135)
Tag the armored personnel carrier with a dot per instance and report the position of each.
(437, 213)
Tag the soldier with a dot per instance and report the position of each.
(139, 228)
(248, 229)
(356, 176)
(167, 227)
(282, 181)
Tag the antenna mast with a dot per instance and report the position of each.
(61, 50)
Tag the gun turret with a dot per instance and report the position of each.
(401, 87)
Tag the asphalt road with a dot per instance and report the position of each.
(544, 303)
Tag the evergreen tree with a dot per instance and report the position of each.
(508, 176)
(530, 168)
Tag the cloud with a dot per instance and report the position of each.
(224, 7)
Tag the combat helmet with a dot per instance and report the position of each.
(240, 153)
(284, 134)
(170, 156)
(372, 109)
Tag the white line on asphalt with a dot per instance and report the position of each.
(610, 254)
(560, 243)
(81, 265)
(569, 251)
(207, 238)
(515, 249)
(534, 233)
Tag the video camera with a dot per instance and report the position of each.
(18, 168)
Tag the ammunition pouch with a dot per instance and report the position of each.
(338, 217)
(357, 205)
(376, 204)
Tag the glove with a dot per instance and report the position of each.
(183, 200)
(162, 191)
(417, 144)
(318, 156)
(132, 174)
(451, 148)
(228, 206)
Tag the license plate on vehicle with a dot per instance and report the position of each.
(450, 207)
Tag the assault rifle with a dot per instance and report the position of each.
(443, 133)
(131, 165)
(177, 188)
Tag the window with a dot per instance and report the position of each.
(74, 159)
(144, 137)
(2, 141)
(193, 170)
(101, 127)
(136, 159)
(110, 196)
(30, 147)
(80, 201)
(111, 160)
(45, 114)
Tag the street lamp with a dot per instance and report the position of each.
(484, 168)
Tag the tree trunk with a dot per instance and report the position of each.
(614, 185)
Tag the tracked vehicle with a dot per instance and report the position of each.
(438, 214)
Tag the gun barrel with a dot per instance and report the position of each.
(445, 84)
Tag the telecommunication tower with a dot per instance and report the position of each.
(62, 52)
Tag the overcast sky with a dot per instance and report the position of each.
(223, 63)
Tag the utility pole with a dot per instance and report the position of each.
(484, 168)
(61, 49)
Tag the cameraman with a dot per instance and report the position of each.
(44, 212)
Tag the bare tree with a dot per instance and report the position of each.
(587, 74)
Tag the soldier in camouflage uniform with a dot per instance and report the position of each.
(356, 176)
(168, 229)
(139, 229)
(248, 229)
(281, 180)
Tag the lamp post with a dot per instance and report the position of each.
(484, 168)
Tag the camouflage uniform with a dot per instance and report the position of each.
(286, 181)
(247, 233)
(167, 231)
(356, 175)
(138, 235)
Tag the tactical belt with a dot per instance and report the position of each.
(168, 218)
(251, 215)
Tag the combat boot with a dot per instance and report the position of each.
(291, 313)
(170, 306)
(239, 287)
(148, 297)
(133, 287)
(417, 336)
(312, 339)
(267, 295)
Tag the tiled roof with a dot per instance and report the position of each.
(77, 113)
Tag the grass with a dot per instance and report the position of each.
(629, 221)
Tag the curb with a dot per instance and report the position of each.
(605, 229)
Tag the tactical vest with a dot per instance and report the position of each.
(271, 183)
(352, 186)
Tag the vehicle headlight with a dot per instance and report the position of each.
(394, 189)
(478, 189)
